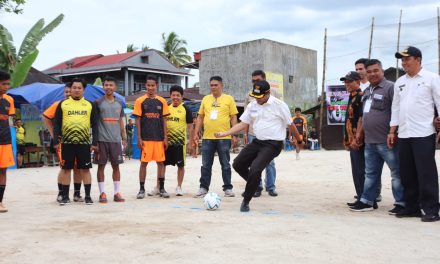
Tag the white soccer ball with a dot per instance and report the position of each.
(212, 201)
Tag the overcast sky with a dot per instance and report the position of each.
(104, 26)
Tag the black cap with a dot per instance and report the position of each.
(408, 52)
(260, 89)
(351, 76)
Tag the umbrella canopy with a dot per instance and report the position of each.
(43, 95)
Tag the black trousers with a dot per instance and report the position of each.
(418, 172)
(357, 158)
(252, 160)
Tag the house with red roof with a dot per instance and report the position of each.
(129, 69)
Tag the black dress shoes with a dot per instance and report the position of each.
(244, 207)
(430, 218)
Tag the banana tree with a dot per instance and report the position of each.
(19, 64)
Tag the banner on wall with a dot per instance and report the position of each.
(337, 100)
(276, 83)
(29, 112)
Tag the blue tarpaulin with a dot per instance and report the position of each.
(43, 95)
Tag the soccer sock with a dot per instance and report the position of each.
(87, 188)
(117, 185)
(2, 191)
(161, 183)
(101, 186)
(142, 186)
(77, 188)
(65, 191)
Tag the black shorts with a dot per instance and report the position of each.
(175, 155)
(21, 149)
(109, 151)
(78, 152)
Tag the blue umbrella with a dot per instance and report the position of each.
(43, 95)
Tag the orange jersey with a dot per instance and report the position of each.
(300, 122)
(50, 112)
(6, 109)
(151, 112)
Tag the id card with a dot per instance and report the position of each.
(214, 114)
(367, 106)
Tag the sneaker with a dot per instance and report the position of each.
(430, 218)
(201, 193)
(273, 193)
(78, 198)
(118, 198)
(408, 213)
(154, 192)
(88, 200)
(229, 193)
(164, 193)
(297, 156)
(59, 197)
(103, 198)
(361, 207)
(179, 191)
(257, 193)
(379, 198)
(353, 203)
(141, 194)
(64, 201)
(3, 208)
(397, 208)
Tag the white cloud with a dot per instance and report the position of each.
(98, 26)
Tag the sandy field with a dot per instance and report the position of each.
(307, 223)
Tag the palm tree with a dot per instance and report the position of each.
(131, 48)
(174, 49)
(19, 64)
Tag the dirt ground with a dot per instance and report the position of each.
(307, 223)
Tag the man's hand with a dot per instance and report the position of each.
(140, 143)
(391, 140)
(124, 143)
(234, 142)
(354, 145)
(245, 139)
(165, 144)
(220, 134)
(94, 149)
(196, 139)
(437, 123)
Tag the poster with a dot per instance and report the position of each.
(336, 101)
(276, 84)
(29, 112)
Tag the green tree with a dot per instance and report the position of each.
(19, 63)
(174, 49)
(11, 6)
(131, 48)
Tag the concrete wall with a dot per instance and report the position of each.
(235, 63)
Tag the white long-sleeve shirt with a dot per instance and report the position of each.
(269, 120)
(413, 104)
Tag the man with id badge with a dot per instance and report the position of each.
(375, 124)
(417, 94)
(217, 113)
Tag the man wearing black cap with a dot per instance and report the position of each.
(269, 117)
(415, 96)
(353, 116)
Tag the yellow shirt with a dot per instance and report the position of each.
(20, 136)
(218, 112)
